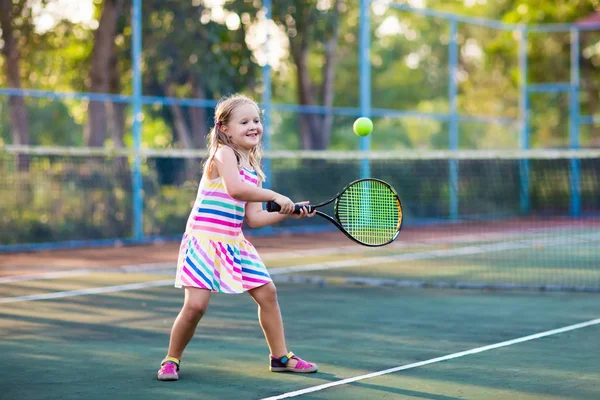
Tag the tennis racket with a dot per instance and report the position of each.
(367, 211)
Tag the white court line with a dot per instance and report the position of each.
(435, 360)
(84, 292)
(47, 275)
(139, 268)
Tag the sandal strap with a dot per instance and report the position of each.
(284, 360)
(303, 364)
(174, 360)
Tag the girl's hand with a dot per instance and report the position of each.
(304, 212)
(287, 205)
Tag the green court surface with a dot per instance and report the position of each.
(530, 265)
(109, 345)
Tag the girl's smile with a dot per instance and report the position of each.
(244, 127)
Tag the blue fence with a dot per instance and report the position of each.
(452, 117)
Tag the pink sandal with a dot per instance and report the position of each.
(280, 364)
(169, 369)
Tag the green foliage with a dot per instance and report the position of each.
(167, 208)
(84, 199)
(63, 200)
(63, 130)
(188, 48)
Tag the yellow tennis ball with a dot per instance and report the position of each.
(363, 126)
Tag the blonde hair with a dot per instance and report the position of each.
(216, 138)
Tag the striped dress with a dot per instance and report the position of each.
(214, 253)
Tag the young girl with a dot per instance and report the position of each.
(214, 255)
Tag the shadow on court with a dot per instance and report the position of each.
(110, 345)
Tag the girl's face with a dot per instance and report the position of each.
(244, 127)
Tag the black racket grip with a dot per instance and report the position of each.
(274, 207)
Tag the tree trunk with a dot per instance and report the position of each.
(589, 85)
(115, 111)
(116, 127)
(305, 91)
(100, 73)
(116, 122)
(198, 119)
(182, 132)
(322, 141)
(315, 129)
(180, 125)
(18, 111)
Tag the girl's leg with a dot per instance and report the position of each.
(194, 307)
(271, 322)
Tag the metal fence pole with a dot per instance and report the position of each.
(266, 72)
(136, 54)
(524, 117)
(575, 179)
(364, 60)
(453, 113)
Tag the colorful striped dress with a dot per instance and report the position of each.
(214, 253)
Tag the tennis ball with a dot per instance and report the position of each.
(363, 126)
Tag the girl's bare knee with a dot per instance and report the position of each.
(197, 306)
(195, 309)
(196, 303)
(266, 296)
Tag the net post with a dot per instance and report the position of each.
(453, 128)
(136, 54)
(524, 119)
(575, 179)
(364, 60)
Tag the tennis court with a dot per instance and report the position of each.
(98, 331)
(483, 120)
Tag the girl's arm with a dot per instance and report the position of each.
(256, 217)
(226, 164)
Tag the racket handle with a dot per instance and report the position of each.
(274, 207)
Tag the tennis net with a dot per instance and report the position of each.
(471, 218)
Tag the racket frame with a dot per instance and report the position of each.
(335, 220)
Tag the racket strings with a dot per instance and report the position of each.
(370, 211)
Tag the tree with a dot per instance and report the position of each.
(104, 78)
(312, 25)
(188, 53)
(15, 19)
(549, 62)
